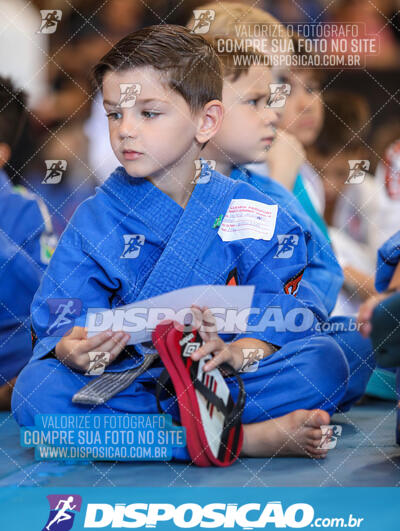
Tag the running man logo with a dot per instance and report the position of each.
(357, 171)
(203, 170)
(62, 511)
(63, 313)
(55, 170)
(98, 362)
(202, 20)
(328, 442)
(251, 359)
(128, 93)
(50, 20)
(133, 244)
(278, 94)
(392, 173)
(287, 243)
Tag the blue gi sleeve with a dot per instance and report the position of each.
(29, 225)
(323, 271)
(21, 276)
(73, 282)
(285, 307)
(388, 258)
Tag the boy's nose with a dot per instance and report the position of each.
(305, 100)
(271, 116)
(128, 128)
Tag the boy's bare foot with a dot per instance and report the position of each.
(297, 434)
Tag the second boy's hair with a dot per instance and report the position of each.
(229, 17)
(190, 64)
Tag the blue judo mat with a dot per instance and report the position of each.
(366, 455)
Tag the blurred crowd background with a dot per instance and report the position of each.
(64, 113)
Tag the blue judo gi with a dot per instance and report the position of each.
(20, 279)
(25, 220)
(26, 244)
(131, 242)
(386, 317)
(325, 276)
(323, 273)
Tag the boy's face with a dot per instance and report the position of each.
(248, 128)
(154, 133)
(303, 112)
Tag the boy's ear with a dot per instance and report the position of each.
(209, 121)
(5, 154)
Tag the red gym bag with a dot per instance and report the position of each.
(214, 433)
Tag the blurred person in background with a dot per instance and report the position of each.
(350, 203)
(373, 18)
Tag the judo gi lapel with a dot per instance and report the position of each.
(195, 226)
(138, 197)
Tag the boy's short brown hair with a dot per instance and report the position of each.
(227, 14)
(191, 66)
(225, 26)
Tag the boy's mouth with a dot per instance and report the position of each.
(267, 140)
(130, 154)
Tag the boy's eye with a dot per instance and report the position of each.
(310, 89)
(252, 102)
(150, 114)
(114, 115)
(282, 79)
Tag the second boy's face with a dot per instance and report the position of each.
(248, 128)
(151, 127)
(303, 112)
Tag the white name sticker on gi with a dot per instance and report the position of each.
(248, 219)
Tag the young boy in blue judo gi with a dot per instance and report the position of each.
(26, 244)
(379, 318)
(151, 229)
(245, 96)
(23, 216)
(20, 280)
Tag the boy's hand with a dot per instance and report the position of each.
(285, 158)
(231, 353)
(365, 313)
(73, 349)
